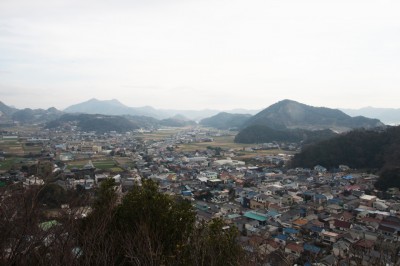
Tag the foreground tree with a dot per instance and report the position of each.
(152, 228)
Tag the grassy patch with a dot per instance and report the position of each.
(8, 163)
(116, 170)
(104, 164)
(225, 142)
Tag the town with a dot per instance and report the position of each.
(286, 215)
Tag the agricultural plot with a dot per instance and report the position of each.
(160, 134)
(12, 147)
(225, 142)
(109, 165)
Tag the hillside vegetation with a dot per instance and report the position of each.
(288, 114)
(264, 134)
(376, 150)
(225, 120)
(98, 123)
(290, 121)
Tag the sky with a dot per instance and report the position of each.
(216, 54)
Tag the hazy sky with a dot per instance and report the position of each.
(200, 54)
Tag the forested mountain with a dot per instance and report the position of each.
(377, 150)
(28, 115)
(292, 121)
(98, 123)
(264, 134)
(290, 114)
(225, 120)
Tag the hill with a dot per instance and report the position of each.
(288, 114)
(110, 107)
(40, 116)
(114, 107)
(177, 121)
(264, 134)
(225, 120)
(292, 121)
(389, 116)
(377, 150)
(98, 123)
(27, 115)
(6, 110)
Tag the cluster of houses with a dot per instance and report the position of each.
(298, 215)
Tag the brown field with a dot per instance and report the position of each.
(12, 147)
(159, 135)
(225, 142)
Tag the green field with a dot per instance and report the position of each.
(101, 164)
(8, 163)
(104, 164)
(225, 142)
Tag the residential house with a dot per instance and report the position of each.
(367, 200)
(340, 225)
(294, 248)
(329, 237)
(333, 209)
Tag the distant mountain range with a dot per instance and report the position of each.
(282, 116)
(114, 107)
(32, 116)
(389, 116)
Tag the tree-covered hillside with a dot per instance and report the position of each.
(225, 120)
(362, 149)
(290, 114)
(98, 123)
(264, 134)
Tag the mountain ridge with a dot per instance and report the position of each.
(390, 116)
(115, 107)
(289, 114)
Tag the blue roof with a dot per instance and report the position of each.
(308, 193)
(347, 177)
(272, 214)
(316, 229)
(320, 196)
(281, 237)
(255, 216)
(252, 194)
(311, 248)
(335, 200)
(290, 231)
(233, 216)
(186, 193)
